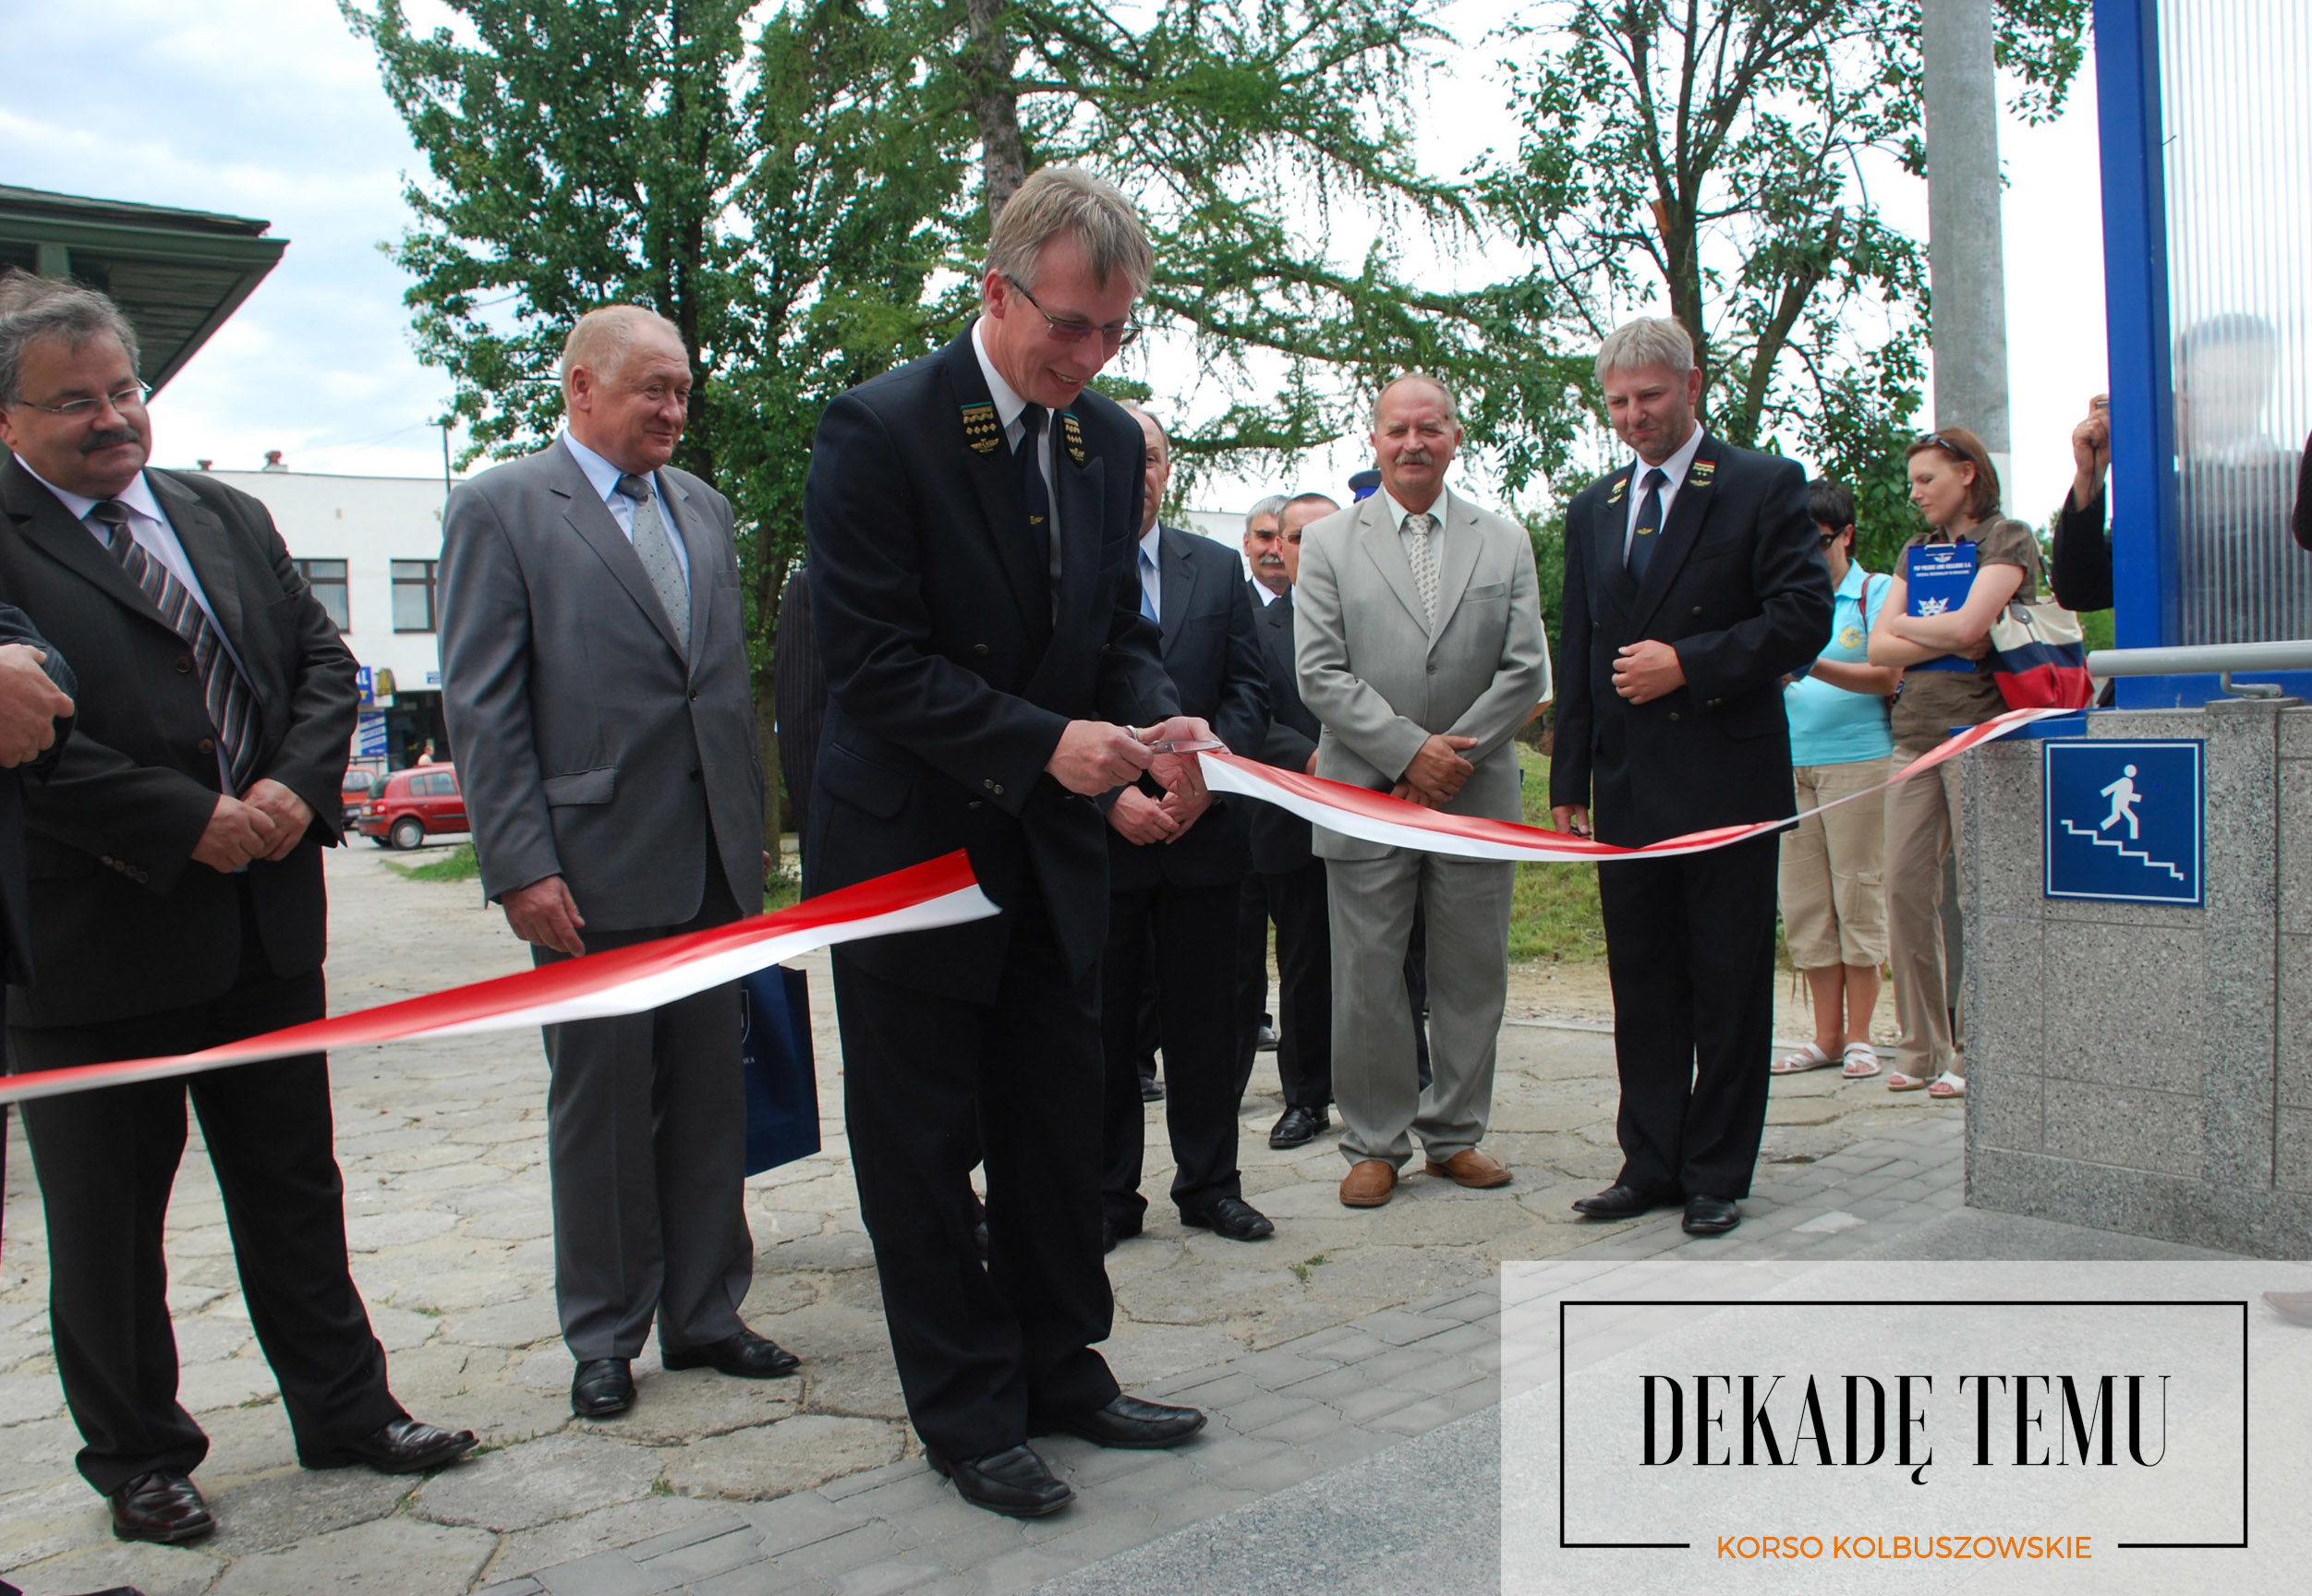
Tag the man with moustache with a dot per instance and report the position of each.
(1694, 581)
(596, 682)
(175, 903)
(974, 520)
(1291, 877)
(1420, 649)
(1177, 866)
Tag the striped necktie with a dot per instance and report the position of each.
(232, 707)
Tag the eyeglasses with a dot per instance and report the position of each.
(1827, 539)
(1073, 330)
(1937, 440)
(129, 398)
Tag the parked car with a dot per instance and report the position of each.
(359, 787)
(412, 805)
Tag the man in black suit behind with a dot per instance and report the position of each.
(1178, 862)
(1289, 871)
(972, 521)
(1693, 584)
(36, 688)
(177, 902)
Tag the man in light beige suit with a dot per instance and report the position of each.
(1420, 649)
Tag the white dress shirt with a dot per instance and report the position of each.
(149, 524)
(602, 476)
(1008, 407)
(1260, 590)
(1675, 468)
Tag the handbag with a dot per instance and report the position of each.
(2039, 657)
(777, 1064)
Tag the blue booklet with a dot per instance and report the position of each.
(1937, 577)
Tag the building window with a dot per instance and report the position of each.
(413, 594)
(327, 578)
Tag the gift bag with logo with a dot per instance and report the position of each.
(782, 1076)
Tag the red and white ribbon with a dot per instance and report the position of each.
(621, 981)
(1377, 818)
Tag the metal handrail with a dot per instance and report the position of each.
(2224, 659)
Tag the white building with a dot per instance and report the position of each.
(372, 546)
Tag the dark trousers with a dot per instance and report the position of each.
(930, 1084)
(106, 1161)
(1252, 974)
(1304, 975)
(646, 1142)
(1195, 954)
(1417, 986)
(1690, 945)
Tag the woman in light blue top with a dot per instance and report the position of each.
(1833, 900)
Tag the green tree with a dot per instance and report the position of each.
(1713, 157)
(778, 190)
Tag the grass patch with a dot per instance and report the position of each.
(1300, 1270)
(783, 891)
(457, 865)
(1553, 907)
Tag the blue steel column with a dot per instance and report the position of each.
(2136, 309)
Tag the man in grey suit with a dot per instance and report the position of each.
(1420, 649)
(595, 679)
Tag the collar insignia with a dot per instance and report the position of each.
(1621, 486)
(1072, 435)
(981, 429)
(1702, 472)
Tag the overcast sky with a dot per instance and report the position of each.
(273, 108)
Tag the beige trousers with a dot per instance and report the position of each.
(1922, 825)
(1834, 896)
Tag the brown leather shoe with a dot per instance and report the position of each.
(1472, 1168)
(1368, 1183)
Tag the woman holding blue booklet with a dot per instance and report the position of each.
(1956, 578)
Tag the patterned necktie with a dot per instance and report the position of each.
(1648, 524)
(1147, 587)
(1034, 490)
(1421, 553)
(232, 707)
(657, 558)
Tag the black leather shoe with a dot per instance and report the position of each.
(404, 1446)
(602, 1386)
(1151, 1089)
(1265, 1042)
(1233, 1219)
(1707, 1216)
(1126, 1422)
(163, 1506)
(1615, 1202)
(1113, 1230)
(1013, 1481)
(744, 1355)
(1299, 1128)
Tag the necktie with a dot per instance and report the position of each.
(657, 558)
(1033, 490)
(1648, 524)
(232, 707)
(1147, 585)
(1421, 553)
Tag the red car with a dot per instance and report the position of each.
(414, 804)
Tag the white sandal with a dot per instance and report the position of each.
(1946, 1087)
(1862, 1061)
(1902, 1082)
(1806, 1057)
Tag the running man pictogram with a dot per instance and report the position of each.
(2123, 798)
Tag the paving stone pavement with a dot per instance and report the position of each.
(1332, 1344)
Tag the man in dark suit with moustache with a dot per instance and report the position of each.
(1290, 873)
(1177, 867)
(1694, 583)
(177, 902)
(973, 519)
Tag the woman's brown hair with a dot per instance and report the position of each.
(1982, 498)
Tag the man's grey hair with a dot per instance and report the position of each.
(1274, 505)
(1071, 200)
(1452, 404)
(1649, 340)
(599, 339)
(34, 308)
(1140, 412)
